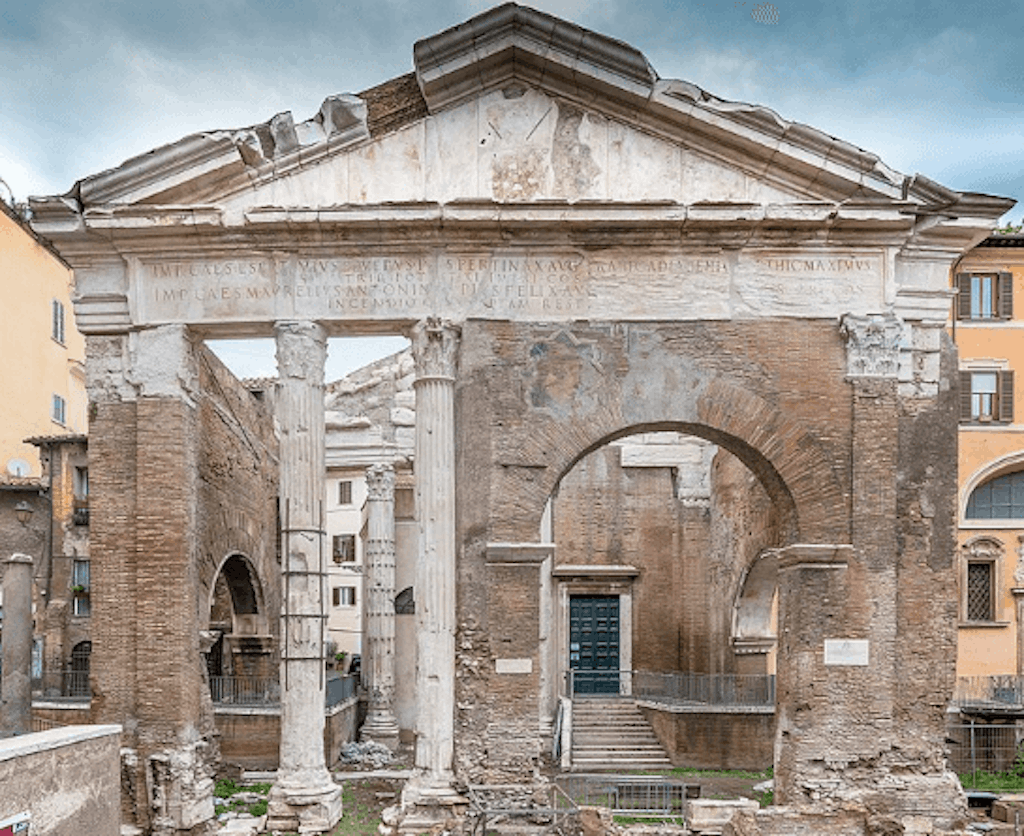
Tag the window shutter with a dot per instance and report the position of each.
(965, 396)
(963, 304)
(1006, 397)
(1005, 295)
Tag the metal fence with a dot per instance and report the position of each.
(982, 748)
(717, 689)
(340, 689)
(266, 690)
(245, 690)
(62, 685)
(639, 796)
(994, 692)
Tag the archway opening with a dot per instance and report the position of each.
(664, 561)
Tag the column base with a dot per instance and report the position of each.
(426, 803)
(380, 728)
(308, 807)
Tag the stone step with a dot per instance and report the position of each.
(614, 734)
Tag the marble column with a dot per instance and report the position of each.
(17, 654)
(435, 347)
(304, 797)
(381, 725)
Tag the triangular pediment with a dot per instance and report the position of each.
(513, 106)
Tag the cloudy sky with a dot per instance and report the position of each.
(931, 86)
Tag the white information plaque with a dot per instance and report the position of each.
(513, 665)
(846, 652)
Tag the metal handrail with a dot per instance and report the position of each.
(677, 688)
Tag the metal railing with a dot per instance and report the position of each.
(339, 689)
(266, 690)
(245, 690)
(978, 748)
(736, 690)
(62, 685)
(640, 796)
(1003, 692)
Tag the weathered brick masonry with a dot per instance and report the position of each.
(180, 484)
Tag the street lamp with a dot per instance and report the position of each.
(23, 511)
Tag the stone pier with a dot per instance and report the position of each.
(304, 798)
(381, 724)
(17, 653)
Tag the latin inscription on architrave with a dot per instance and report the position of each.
(493, 285)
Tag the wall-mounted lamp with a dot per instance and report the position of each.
(23, 511)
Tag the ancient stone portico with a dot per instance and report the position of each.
(579, 251)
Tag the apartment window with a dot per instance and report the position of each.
(344, 548)
(344, 596)
(80, 605)
(1001, 498)
(80, 479)
(345, 492)
(980, 579)
(57, 326)
(986, 396)
(80, 576)
(984, 296)
(58, 410)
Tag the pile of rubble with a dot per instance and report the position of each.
(369, 755)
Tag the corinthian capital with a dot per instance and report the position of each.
(872, 345)
(301, 351)
(380, 482)
(435, 345)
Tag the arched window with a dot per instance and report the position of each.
(1001, 498)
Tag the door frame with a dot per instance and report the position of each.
(593, 580)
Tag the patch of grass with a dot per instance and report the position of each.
(357, 819)
(766, 798)
(225, 789)
(992, 781)
(627, 820)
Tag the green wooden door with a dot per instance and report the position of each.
(594, 643)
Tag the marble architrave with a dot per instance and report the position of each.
(520, 284)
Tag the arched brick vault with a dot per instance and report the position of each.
(244, 586)
(550, 395)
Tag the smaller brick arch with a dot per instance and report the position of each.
(243, 588)
(752, 609)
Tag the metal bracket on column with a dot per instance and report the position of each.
(320, 533)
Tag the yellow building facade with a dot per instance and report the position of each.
(42, 375)
(988, 327)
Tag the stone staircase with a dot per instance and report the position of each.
(611, 733)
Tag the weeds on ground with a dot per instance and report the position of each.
(224, 789)
(723, 773)
(357, 819)
(993, 781)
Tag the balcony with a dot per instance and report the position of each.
(1002, 694)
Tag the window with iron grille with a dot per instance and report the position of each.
(345, 492)
(979, 591)
(344, 548)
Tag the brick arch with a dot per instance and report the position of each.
(789, 462)
(785, 458)
(244, 586)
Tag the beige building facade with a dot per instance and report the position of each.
(43, 374)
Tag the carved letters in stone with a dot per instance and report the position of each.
(872, 345)
(301, 348)
(435, 344)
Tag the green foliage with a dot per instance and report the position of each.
(225, 789)
(993, 781)
(766, 798)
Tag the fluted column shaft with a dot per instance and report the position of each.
(302, 776)
(435, 346)
(379, 605)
